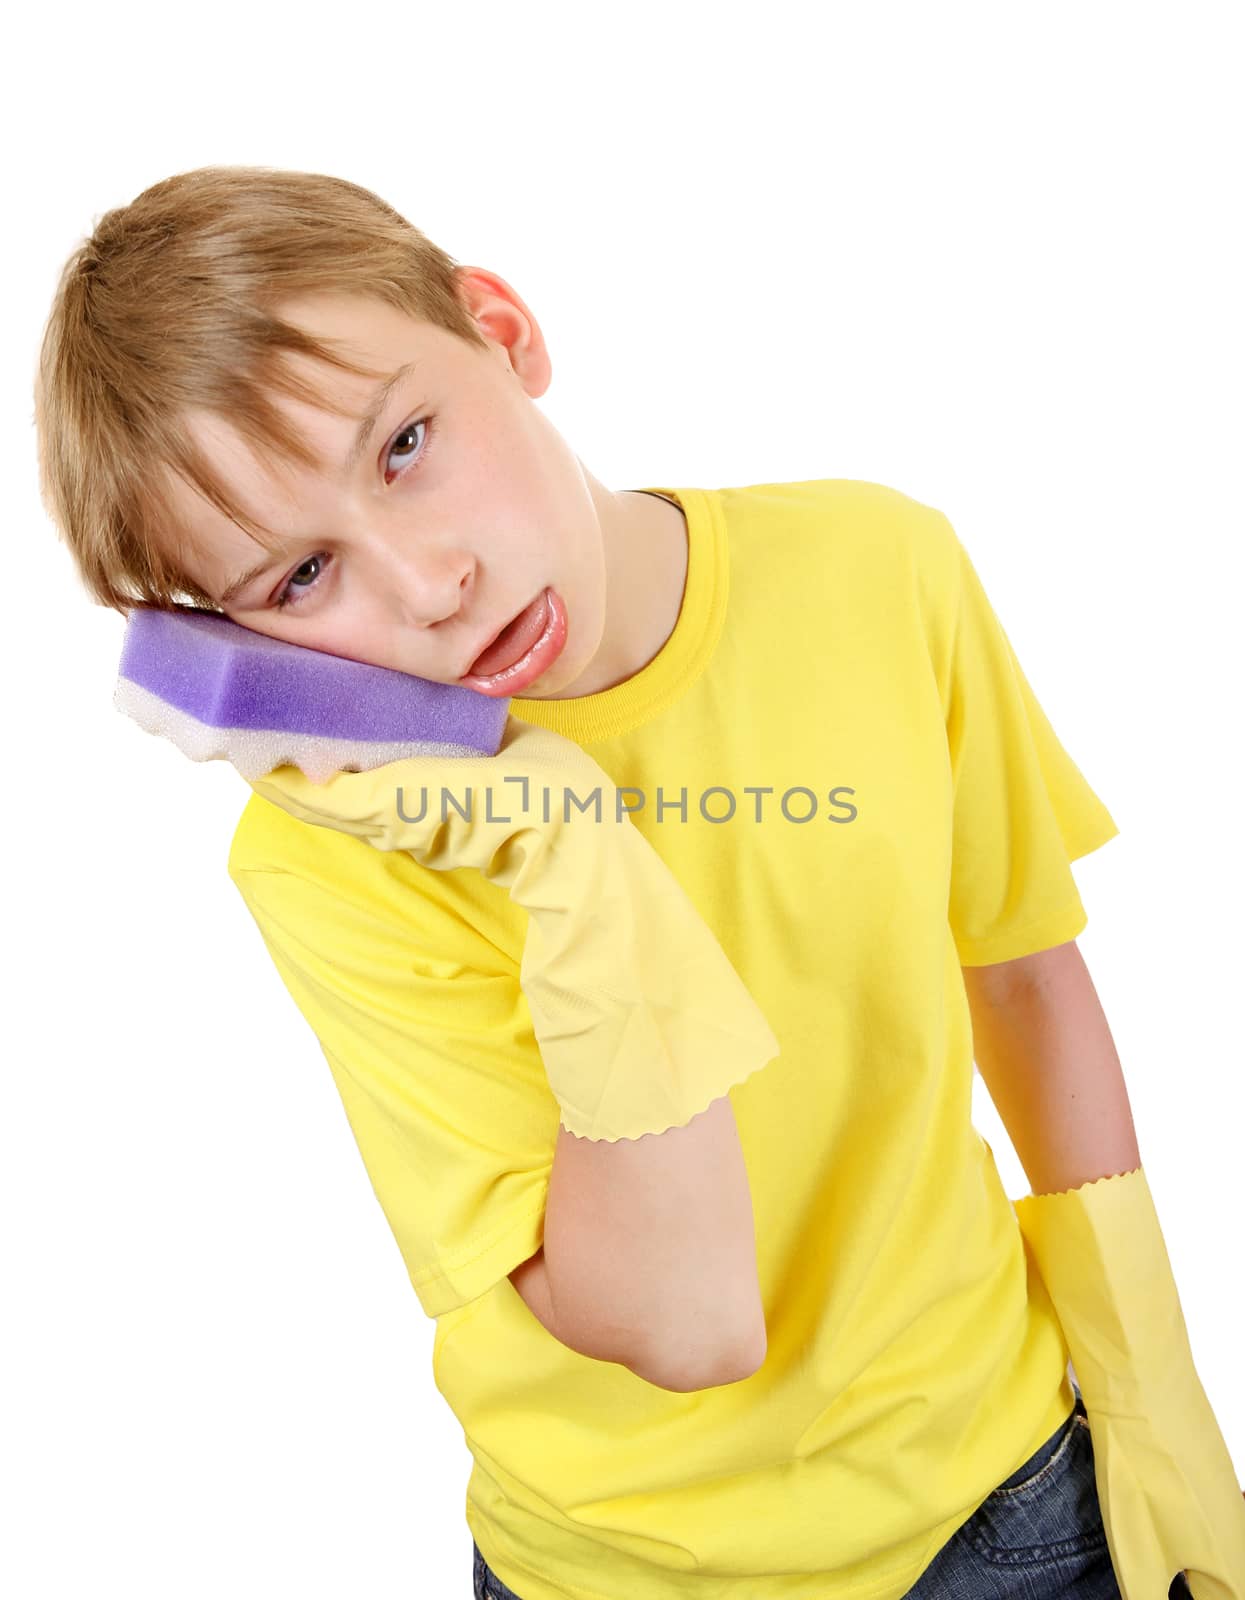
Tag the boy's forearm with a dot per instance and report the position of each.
(1046, 1055)
(650, 1253)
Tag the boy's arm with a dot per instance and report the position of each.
(649, 1254)
(1046, 1054)
(1170, 1497)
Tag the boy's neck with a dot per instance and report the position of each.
(646, 558)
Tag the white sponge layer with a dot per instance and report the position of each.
(255, 751)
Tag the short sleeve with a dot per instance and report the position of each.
(427, 1034)
(1022, 809)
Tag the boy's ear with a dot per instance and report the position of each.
(506, 321)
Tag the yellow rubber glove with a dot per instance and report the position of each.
(641, 1019)
(1166, 1484)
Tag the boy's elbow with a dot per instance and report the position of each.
(686, 1372)
(679, 1362)
(693, 1356)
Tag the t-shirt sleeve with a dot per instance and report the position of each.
(428, 1037)
(1022, 809)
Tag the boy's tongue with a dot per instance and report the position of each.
(513, 641)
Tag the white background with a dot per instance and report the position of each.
(985, 254)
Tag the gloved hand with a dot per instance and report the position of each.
(640, 1017)
(1166, 1485)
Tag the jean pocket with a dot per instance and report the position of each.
(1048, 1508)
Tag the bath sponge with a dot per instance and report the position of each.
(220, 691)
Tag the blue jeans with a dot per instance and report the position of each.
(1038, 1536)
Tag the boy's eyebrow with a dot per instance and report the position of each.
(245, 579)
(370, 419)
(373, 416)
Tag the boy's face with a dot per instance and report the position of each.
(463, 506)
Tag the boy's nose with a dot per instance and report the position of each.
(434, 586)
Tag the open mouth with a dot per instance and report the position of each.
(514, 640)
(524, 650)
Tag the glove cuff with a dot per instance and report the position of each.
(1101, 1254)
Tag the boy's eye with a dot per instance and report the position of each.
(292, 593)
(401, 450)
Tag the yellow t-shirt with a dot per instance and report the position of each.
(845, 768)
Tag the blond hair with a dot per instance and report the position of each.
(169, 305)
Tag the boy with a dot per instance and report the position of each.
(849, 1376)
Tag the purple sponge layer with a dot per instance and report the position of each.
(220, 691)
